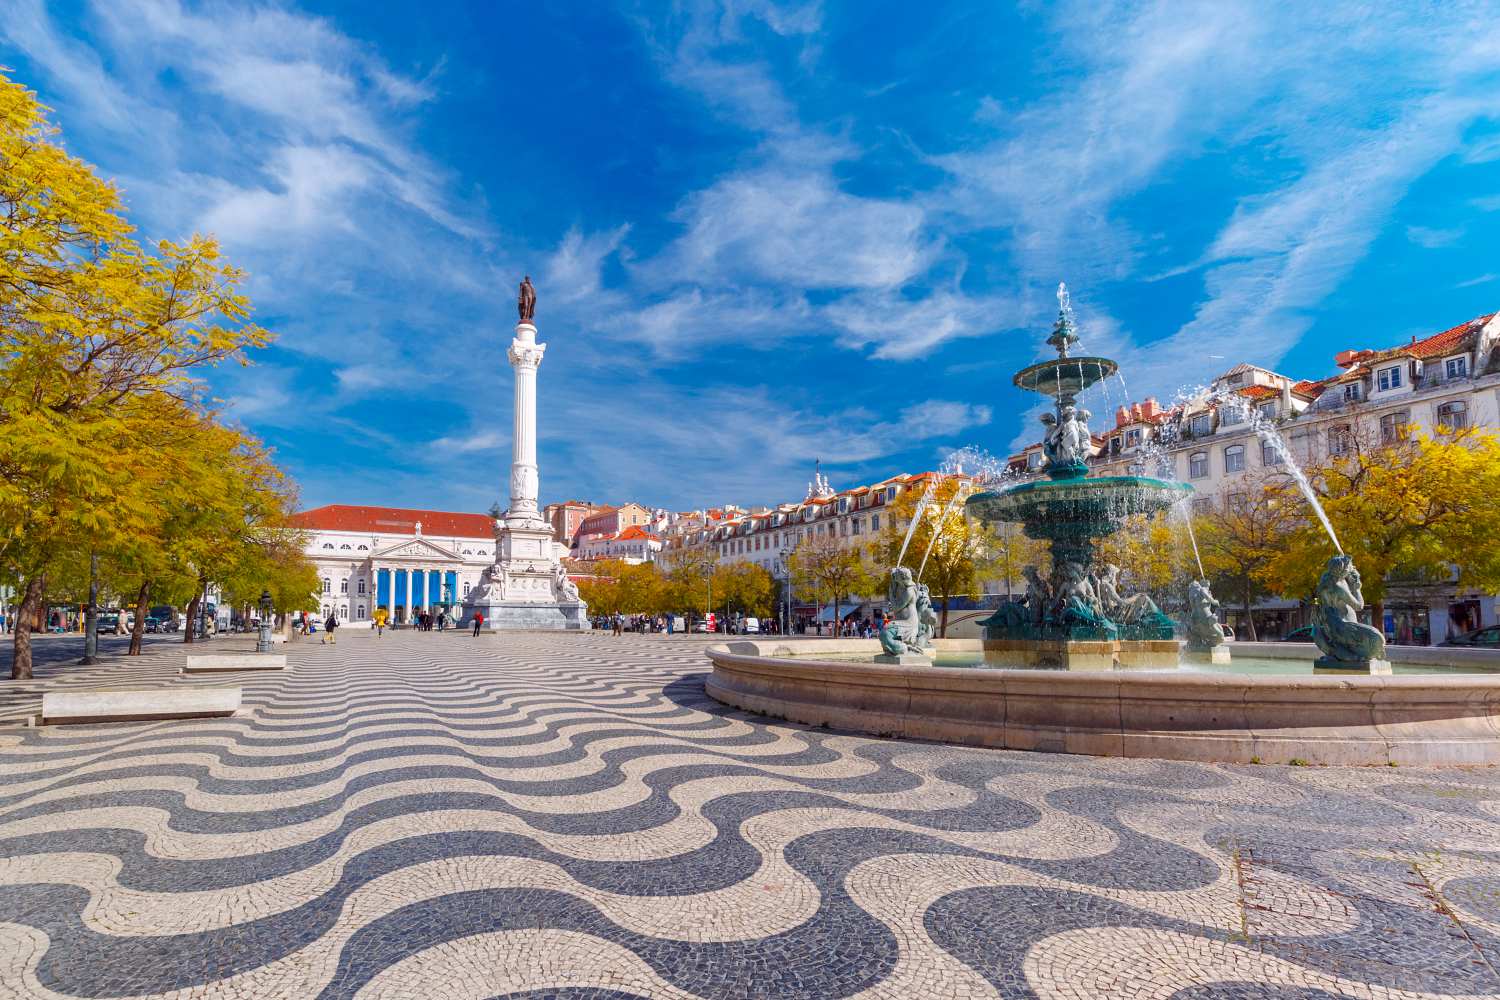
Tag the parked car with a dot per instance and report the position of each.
(153, 624)
(1486, 637)
(1303, 634)
(106, 624)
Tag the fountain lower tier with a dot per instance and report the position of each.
(1077, 618)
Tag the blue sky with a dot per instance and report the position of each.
(764, 234)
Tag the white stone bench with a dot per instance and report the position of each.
(211, 663)
(65, 707)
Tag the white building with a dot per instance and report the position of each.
(401, 560)
(632, 545)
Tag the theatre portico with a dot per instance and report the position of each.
(399, 559)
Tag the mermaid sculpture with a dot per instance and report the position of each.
(1078, 602)
(899, 635)
(1203, 632)
(1343, 638)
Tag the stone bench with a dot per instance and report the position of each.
(209, 663)
(67, 707)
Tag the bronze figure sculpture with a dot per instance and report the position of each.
(526, 300)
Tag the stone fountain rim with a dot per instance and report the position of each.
(1087, 484)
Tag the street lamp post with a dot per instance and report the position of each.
(91, 616)
(263, 641)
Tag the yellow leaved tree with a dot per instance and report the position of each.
(102, 346)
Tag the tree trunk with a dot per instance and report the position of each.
(1249, 618)
(836, 621)
(1377, 616)
(192, 617)
(943, 620)
(20, 664)
(140, 619)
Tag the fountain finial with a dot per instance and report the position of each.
(1064, 334)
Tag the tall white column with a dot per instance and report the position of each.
(525, 359)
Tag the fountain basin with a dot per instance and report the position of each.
(1169, 714)
(1069, 508)
(1065, 376)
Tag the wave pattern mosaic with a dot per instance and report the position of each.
(435, 816)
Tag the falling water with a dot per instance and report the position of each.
(1268, 435)
(942, 523)
(915, 517)
(1192, 537)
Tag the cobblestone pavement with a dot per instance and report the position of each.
(435, 816)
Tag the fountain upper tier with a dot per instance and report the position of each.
(1077, 508)
(1065, 377)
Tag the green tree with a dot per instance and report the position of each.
(829, 572)
(746, 588)
(1240, 542)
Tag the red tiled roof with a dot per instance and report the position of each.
(633, 532)
(1311, 388)
(394, 521)
(1449, 341)
(1259, 392)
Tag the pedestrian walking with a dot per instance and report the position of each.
(329, 626)
(478, 621)
(380, 617)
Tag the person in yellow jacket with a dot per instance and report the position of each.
(381, 617)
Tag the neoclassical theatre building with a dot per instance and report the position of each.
(402, 560)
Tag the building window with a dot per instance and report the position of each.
(1238, 378)
(1232, 413)
(1034, 461)
(1132, 437)
(1198, 465)
(1268, 454)
(344, 585)
(343, 611)
(857, 524)
(1339, 440)
(1389, 378)
(1393, 426)
(364, 548)
(1114, 446)
(328, 546)
(1200, 425)
(1456, 367)
(1234, 458)
(466, 590)
(361, 587)
(1454, 415)
(1203, 505)
(1268, 410)
(361, 611)
(1239, 502)
(874, 522)
(327, 585)
(1351, 392)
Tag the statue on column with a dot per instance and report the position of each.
(526, 300)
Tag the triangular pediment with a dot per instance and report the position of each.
(416, 548)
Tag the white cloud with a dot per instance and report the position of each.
(1431, 238)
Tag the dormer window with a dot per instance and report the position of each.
(1034, 461)
(1200, 425)
(1351, 392)
(1456, 367)
(344, 547)
(328, 546)
(1389, 378)
(1132, 437)
(1238, 378)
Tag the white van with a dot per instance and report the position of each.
(750, 626)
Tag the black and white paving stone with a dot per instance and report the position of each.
(435, 816)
